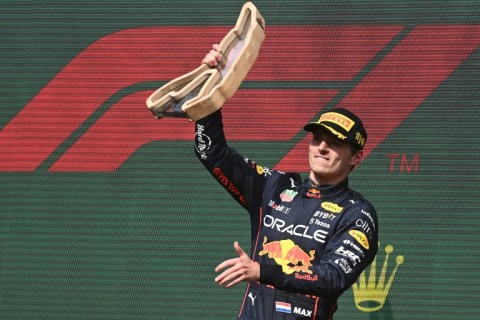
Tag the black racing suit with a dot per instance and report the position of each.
(312, 242)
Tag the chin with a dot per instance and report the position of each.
(318, 169)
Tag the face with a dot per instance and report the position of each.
(331, 160)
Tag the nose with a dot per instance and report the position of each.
(323, 146)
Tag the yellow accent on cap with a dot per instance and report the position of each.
(339, 119)
(335, 132)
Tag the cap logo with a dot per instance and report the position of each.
(360, 139)
(339, 119)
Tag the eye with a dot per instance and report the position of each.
(335, 143)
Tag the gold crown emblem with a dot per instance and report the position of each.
(370, 295)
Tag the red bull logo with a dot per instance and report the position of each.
(290, 256)
(313, 193)
(272, 249)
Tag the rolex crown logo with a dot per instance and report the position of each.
(370, 295)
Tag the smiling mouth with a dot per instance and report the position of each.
(320, 157)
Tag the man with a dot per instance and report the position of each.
(310, 239)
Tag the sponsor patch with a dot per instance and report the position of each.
(344, 265)
(360, 139)
(298, 230)
(288, 195)
(332, 207)
(360, 237)
(364, 226)
(290, 256)
(203, 142)
(278, 207)
(339, 119)
(325, 215)
(348, 254)
(263, 171)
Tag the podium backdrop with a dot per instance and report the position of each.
(105, 213)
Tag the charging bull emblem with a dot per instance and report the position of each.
(289, 255)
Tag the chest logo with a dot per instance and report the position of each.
(288, 255)
(288, 195)
(332, 207)
(313, 193)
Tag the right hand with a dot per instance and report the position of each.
(237, 269)
(214, 58)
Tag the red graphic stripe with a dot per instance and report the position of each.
(105, 67)
(400, 83)
(134, 56)
(251, 115)
(323, 53)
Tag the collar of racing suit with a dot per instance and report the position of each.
(309, 190)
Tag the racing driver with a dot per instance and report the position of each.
(310, 238)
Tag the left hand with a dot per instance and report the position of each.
(238, 269)
(214, 58)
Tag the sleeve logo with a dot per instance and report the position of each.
(361, 238)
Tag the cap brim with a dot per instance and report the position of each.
(310, 127)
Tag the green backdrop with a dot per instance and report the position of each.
(105, 213)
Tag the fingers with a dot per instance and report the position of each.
(237, 270)
(239, 249)
(232, 262)
(214, 58)
(232, 269)
(226, 264)
(230, 276)
(232, 279)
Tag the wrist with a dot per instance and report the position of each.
(269, 274)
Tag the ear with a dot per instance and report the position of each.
(357, 158)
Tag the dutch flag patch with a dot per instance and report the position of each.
(283, 307)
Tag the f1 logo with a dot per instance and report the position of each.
(92, 117)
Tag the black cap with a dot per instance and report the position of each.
(343, 124)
